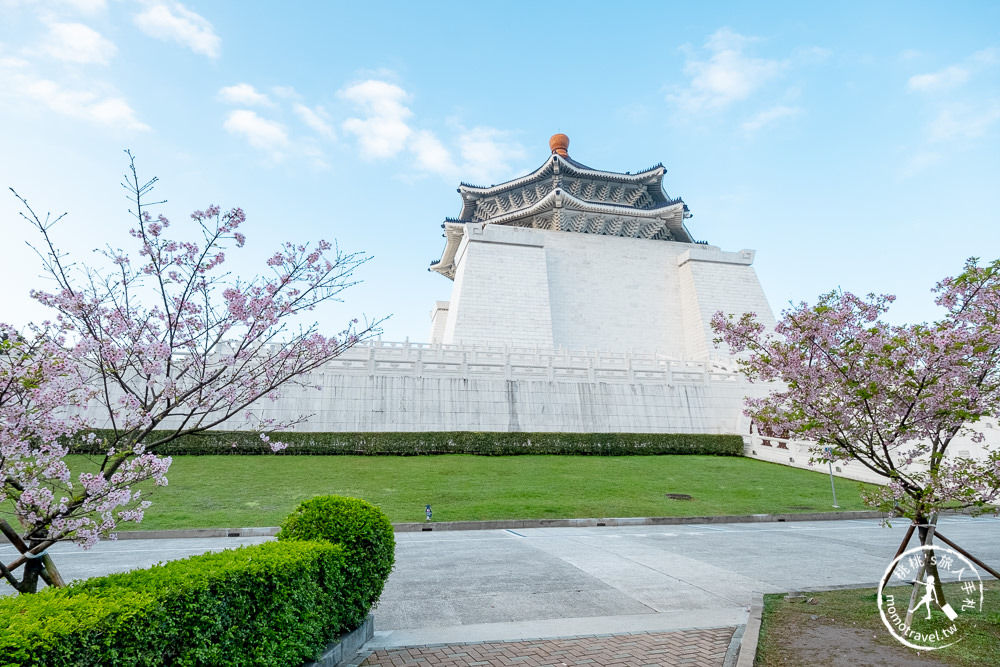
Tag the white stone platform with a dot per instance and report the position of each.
(386, 386)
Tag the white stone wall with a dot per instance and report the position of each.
(439, 320)
(408, 403)
(501, 291)
(524, 286)
(613, 293)
(386, 387)
(713, 280)
(798, 453)
(382, 386)
(413, 387)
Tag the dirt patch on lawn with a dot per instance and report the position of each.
(819, 642)
(843, 628)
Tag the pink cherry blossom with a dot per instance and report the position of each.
(149, 351)
(892, 398)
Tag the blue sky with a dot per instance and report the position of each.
(853, 145)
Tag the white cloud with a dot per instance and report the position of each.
(431, 155)
(485, 154)
(954, 75)
(990, 56)
(81, 6)
(269, 135)
(918, 162)
(725, 39)
(266, 135)
(384, 130)
(315, 119)
(178, 24)
(769, 116)
(75, 42)
(100, 105)
(85, 104)
(315, 155)
(949, 77)
(963, 122)
(286, 92)
(87, 6)
(960, 115)
(10, 66)
(813, 54)
(727, 76)
(488, 154)
(245, 94)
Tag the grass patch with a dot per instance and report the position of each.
(239, 491)
(847, 623)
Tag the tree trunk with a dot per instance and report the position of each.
(926, 534)
(925, 530)
(32, 570)
(41, 566)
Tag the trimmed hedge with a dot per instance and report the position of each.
(277, 603)
(366, 536)
(455, 442)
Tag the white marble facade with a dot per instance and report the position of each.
(580, 302)
(385, 386)
(534, 287)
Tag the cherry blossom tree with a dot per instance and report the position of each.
(142, 350)
(37, 382)
(892, 398)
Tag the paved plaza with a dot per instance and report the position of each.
(554, 582)
(497, 595)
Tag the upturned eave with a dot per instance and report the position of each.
(554, 165)
(562, 199)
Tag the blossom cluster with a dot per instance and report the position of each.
(892, 397)
(147, 351)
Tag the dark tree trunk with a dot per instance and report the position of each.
(927, 539)
(32, 571)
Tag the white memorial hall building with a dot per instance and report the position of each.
(580, 302)
(576, 258)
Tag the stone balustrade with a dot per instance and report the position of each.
(513, 363)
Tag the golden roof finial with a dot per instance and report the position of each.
(559, 145)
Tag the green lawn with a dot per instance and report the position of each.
(241, 491)
(847, 622)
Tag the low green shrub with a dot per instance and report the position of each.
(53, 628)
(366, 536)
(455, 442)
(277, 603)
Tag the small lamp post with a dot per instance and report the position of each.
(829, 462)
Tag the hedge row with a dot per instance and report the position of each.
(277, 603)
(365, 534)
(455, 442)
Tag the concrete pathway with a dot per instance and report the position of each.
(468, 587)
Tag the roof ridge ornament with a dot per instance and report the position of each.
(559, 145)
